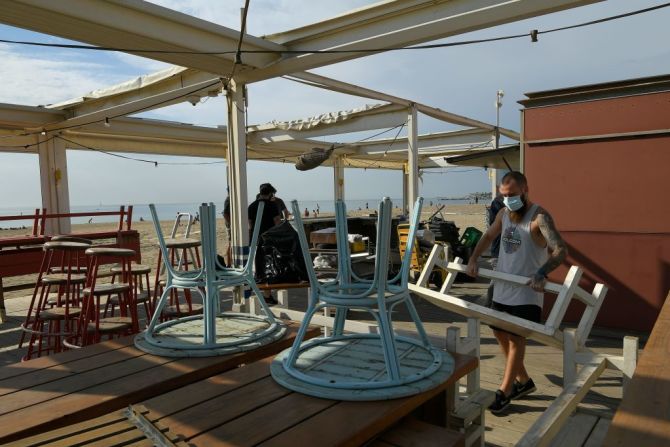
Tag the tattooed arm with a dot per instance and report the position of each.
(558, 251)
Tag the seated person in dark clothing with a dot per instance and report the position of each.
(271, 217)
(279, 203)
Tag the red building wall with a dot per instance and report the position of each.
(608, 196)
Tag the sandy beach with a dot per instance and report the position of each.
(463, 215)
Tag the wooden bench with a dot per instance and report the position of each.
(246, 407)
(55, 391)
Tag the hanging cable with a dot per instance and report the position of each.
(156, 163)
(238, 52)
(533, 34)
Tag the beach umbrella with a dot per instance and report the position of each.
(314, 158)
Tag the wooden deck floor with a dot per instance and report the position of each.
(544, 363)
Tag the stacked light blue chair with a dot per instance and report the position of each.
(368, 366)
(196, 335)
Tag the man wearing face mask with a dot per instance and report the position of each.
(530, 246)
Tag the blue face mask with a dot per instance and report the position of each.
(513, 203)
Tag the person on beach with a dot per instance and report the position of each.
(306, 212)
(271, 217)
(531, 246)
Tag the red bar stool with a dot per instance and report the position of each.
(92, 324)
(184, 255)
(55, 304)
(142, 287)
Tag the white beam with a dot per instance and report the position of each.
(338, 178)
(412, 158)
(54, 184)
(128, 107)
(139, 25)
(397, 23)
(405, 188)
(350, 89)
(142, 25)
(14, 116)
(173, 78)
(439, 141)
(237, 173)
(379, 118)
(150, 128)
(140, 145)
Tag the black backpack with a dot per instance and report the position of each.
(283, 261)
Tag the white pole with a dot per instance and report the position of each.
(412, 158)
(54, 184)
(494, 172)
(237, 177)
(338, 178)
(405, 193)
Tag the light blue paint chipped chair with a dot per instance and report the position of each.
(164, 338)
(358, 366)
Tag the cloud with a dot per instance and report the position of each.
(265, 16)
(37, 79)
(462, 80)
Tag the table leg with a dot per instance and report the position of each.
(436, 411)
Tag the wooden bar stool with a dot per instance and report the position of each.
(55, 304)
(184, 256)
(142, 287)
(92, 324)
(80, 267)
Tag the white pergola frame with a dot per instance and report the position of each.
(141, 25)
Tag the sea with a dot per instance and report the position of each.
(168, 211)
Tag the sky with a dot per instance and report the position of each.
(462, 80)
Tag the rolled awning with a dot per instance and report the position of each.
(490, 159)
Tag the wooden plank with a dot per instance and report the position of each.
(576, 431)
(214, 412)
(413, 433)
(548, 425)
(274, 418)
(590, 313)
(141, 379)
(100, 435)
(59, 372)
(487, 315)
(643, 418)
(64, 432)
(598, 433)
(31, 366)
(354, 423)
(179, 399)
(135, 364)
